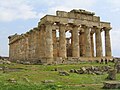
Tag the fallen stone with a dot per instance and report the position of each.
(72, 70)
(26, 79)
(5, 69)
(98, 72)
(1, 68)
(112, 74)
(80, 71)
(111, 85)
(48, 81)
(55, 69)
(12, 80)
(83, 68)
(26, 63)
(63, 73)
(6, 62)
(117, 66)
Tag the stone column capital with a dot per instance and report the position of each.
(107, 28)
(81, 30)
(96, 27)
(74, 25)
(61, 24)
(85, 26)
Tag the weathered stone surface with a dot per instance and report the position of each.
(98, 70)
(42, 43)
(72, 70)
(117, 66)
(111, 85)
(99, 52)
(48, 81)
(26, 79)
(107, 42)
(4, 61)
(112, 74)
(64, 73)
(12, 80)
(98, 73)
(75, 42)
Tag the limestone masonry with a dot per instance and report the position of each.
(43, 45)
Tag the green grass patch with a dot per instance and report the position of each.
(37, 73)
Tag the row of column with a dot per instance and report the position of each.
(42, 43)
(85, 44)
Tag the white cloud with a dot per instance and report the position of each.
(16, 9)
(24, 9)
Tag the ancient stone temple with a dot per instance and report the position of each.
(47, 43)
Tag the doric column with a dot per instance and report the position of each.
(49, 41)
(30, 44)
(10, 51)
(87, 41)
(75, 42)
(82, 43)
(27, 46)
(107, 43)
(98, 40)
(62, 41)
(36, 43)
(92, 44)
(14, 50)
(41, 41)
(54, 43)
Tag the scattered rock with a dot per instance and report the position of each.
(4, 61)
(63, 73)
(80, 71)
(55, 69)
(72, 70)
(83, 85)
(26, 79)
(48, 81)
(112, 74)
(26, 63)
(111, 85)
(1, 68)
(83, 69)
(117, 66)
(106, 68)
(98, 73)
(12, 80)
(98, 70)
(92, 68)
(5, 69)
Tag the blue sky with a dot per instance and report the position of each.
(19, 16)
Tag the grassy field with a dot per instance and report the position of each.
(29, 77)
